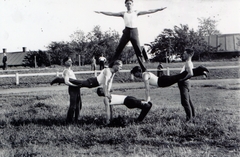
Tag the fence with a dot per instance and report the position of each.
(95, 73)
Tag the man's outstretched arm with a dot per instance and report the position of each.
(150, 11)
(120, 14)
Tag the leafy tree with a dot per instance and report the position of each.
(182, 37)
(58, 51)
(207, 27)
(42, 58)
(127, 56)
(191, 39)
(161, 45)
(176, 40)
(95, 43)
(79, 45)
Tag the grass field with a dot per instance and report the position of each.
(33, 124)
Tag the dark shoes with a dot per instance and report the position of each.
(205, 74)
(200, 70)
(204, 68)
(57, 80)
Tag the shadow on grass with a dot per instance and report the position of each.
(119, 121)
(223, 86)
(39, 121)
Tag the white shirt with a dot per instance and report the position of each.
(153, 79)
(70, 73)
(130, 19)
(102, 59)
(188, 67)
(104, 74)
(117, 99)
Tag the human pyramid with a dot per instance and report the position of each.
(104, 80)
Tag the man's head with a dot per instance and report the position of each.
(117, 65)
(129, 4)
(128, 0)
(136, 71)
(187, 54)
(100, 91)
(67, 61)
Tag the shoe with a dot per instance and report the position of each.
(200, 70)
(205, 74)
(56, 80)
(204, 68)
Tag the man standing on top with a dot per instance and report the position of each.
(130, 33)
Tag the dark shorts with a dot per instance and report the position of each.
(93, 82)
(132, 102)
(166, 81)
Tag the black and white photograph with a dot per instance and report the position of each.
(132, 78)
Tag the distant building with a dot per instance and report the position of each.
(14, 58)
(228, 42)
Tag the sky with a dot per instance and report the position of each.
(34, 24)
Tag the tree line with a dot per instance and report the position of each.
(95, 43)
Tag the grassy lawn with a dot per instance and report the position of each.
(33, 124)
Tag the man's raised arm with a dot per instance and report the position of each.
(120, 14)
(150, 11)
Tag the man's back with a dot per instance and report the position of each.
(4, 59)
(103, 59)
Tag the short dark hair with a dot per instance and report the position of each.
(65, 59)
(118, 62)
(127, 1)
(100, 91)
(136, 69)
(189, 51)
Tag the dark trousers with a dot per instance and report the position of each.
(75, 104)
(129, 34)
(132, 102)
(89, 83)
(93, 66)
(4, 66)
(166, 81)
(101, 64)
(184, 87)
(159, 73)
